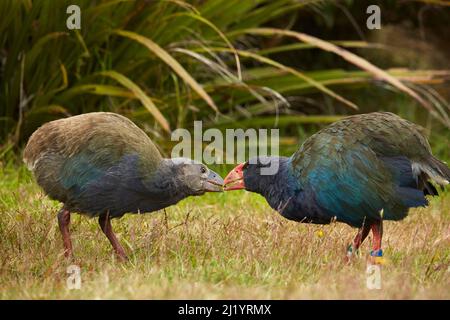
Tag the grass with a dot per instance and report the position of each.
(229, 246)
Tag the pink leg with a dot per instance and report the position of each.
(357, 241)
(105, 225)
(360, 237)
(376, 255)
(64, 222)
(377, 231)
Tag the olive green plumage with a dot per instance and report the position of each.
(102, 162)
(101, 138)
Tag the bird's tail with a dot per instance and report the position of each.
(433, 169)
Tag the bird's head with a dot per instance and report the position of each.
(196, 177)
(252, 175)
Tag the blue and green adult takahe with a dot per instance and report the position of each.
(102, 165)
(360, 170)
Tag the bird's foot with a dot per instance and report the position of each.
(121, 255)
(68, 254)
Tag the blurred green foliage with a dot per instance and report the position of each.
(166, 63)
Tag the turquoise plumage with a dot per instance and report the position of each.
(364, 164)
(361, 170)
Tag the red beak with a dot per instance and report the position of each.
(235, 179)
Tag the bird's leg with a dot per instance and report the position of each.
(64, 222)
(359, 238)
(377, 231)
(105, 225)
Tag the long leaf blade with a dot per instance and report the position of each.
(141, 95)
(345, 54)
(171, 62)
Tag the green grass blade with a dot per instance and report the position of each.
(293, 71)
(99, 89)
(345, 54)
(171, 62)
(302, 46)
(141, 95)
(222, 36)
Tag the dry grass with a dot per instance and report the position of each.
(229, 246)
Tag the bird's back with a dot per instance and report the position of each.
(384, 133)
(67, 154)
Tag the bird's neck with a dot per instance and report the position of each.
(165, 182)
(280, 189)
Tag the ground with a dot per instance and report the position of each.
(218, 246)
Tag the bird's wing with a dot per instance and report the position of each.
(385, 133)
(351, 178)
(348, 183)
(67, 154)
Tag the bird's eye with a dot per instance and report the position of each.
(203, 169)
